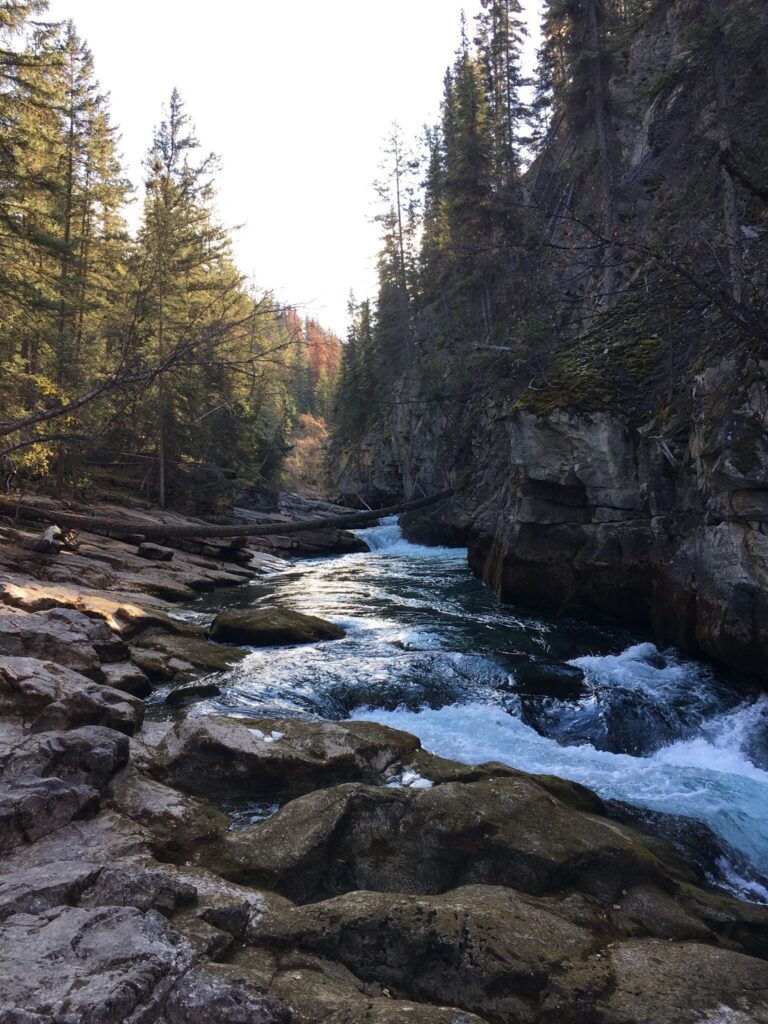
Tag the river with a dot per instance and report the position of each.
(429, 649)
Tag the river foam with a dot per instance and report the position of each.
(710, 774)
(708, 778)
(430, 650)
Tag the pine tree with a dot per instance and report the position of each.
(191, 280)
(64, 254)
(500, 34)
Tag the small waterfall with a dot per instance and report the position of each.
(387, 539)
(386, 535)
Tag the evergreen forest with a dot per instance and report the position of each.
(132, 362)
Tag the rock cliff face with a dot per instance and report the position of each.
(630, 475)
(600, 510)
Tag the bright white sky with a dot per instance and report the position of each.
(296, 98)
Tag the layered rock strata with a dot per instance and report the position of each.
(601, 510)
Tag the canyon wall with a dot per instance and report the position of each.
(630, 475)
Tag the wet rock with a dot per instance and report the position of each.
(46, 696)
(326, 542)
(429, 527)
(167, 658)
(549, 680)
(102, 965)
(191, 691)
(267, 627)
(219, 756)
(503, 831)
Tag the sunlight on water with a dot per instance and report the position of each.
(430, 650)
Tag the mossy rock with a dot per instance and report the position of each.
(271, 627)
(181, 658)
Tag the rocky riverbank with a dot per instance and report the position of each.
(373, 881)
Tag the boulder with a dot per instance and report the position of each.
(170, 658)
(177, 823)
(127, 677)
(501, 831)
(37, 889)
(205, 995)
(108, 645)
(43, 695)
(31, 808)
(90, 755)
(33, 636)
(269, 627)
(105, 839)
(485, 949)
(221, 757)
(49, 779)
(155, 552)
(191, 691)
(135, 885)
(319, 989)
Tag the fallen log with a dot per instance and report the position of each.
(115, 528)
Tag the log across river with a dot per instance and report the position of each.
(430, 650)
(104, 526)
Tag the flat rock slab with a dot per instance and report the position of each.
(271, 627)
(102, 965)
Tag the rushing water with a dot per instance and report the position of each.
(430, 650)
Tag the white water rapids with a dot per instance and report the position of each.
(431, 651)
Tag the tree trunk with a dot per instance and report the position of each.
(116, 528)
